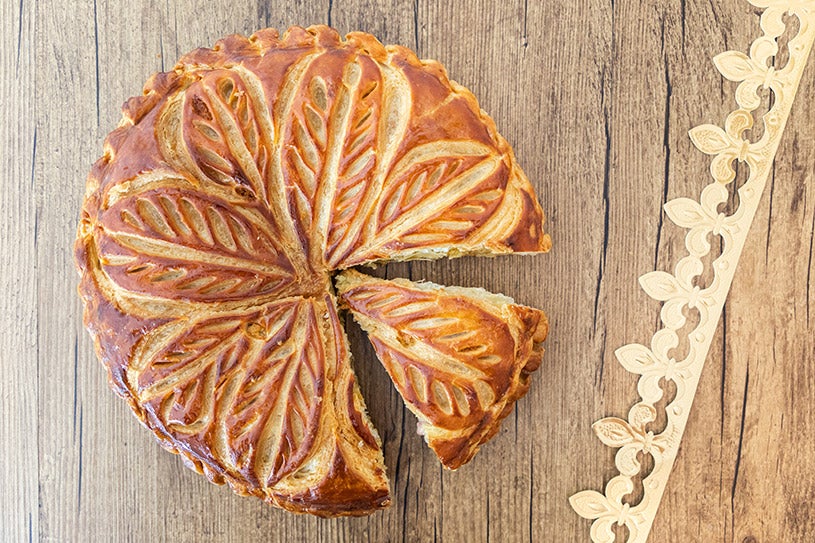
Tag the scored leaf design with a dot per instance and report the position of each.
(244, 388)
(183, 244)
(385, 100)
(305, 153)
(323, 121)
(436, 195)
(228, 131)
(404, 193)
(356, 168)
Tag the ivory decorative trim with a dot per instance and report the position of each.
(704, 222)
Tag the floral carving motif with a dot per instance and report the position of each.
(679, 292)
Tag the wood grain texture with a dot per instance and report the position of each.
(596, 98)
(18, 308)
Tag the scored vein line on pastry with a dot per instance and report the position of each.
(445, 196)
(282, 112)
(160, 248)
(271, 438)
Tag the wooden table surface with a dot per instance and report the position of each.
(596, 98)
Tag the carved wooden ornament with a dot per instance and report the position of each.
(677, 291)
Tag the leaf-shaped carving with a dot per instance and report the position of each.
(710, 139)
(357, 167)
(304, 155)
(326, 148)
(607, 509)
(734, 65)
(702, 218)
(183, 244)
(728, 145)
(636, 358)
(685, 212)
(660, 285)
(654, 364)
(613, 432)
(591, 504)
(377, 127)
(754, 71)
(451, 353)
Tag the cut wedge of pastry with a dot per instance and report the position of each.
(459, 357)
(235, 186)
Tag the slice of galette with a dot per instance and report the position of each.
(459, 357)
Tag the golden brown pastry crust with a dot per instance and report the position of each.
(231, 189)
(459, 357)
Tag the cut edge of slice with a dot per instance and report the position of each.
(527, 328)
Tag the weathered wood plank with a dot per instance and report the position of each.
(19, 520)
(596, 97)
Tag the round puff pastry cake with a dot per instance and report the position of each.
(231, 192)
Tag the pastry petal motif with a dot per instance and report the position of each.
(450, 198)
(459, 357)
(168, 239)
(324, 145)
(247, 394)
(219, 130)
(377, 128)
(242, 389)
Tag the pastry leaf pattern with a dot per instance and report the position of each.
(189, 244)
(679, 292)
(246, 387)
(438, 359)
(227, 135)
(437, 195)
